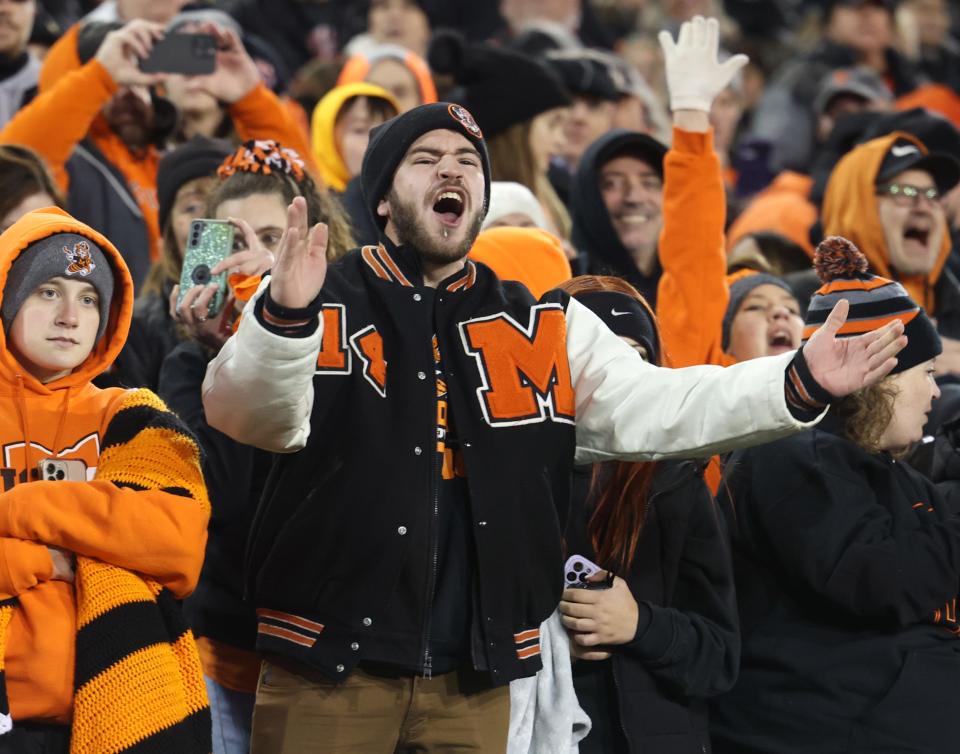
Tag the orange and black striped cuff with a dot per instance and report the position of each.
(806, 399)
(283, 320)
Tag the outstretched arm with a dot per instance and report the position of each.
(629, 409)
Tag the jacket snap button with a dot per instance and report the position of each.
(339, 668)
(417, 450)
(493, 643)
(355, 646)
(481, 523)
(401, 530)
(421, 375)
(417, 297)
(368, 621)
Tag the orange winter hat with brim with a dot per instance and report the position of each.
(530, 256)
(333, 170)
(850, 210)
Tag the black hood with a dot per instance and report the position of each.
(593, 231)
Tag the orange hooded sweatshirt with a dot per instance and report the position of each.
(67, 110)
(150, 532)
(783, 207)
(850, 210)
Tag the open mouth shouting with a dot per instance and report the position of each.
(449, 206)
(916, 233)
(779, 340)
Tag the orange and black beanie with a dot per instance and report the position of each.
(390, 141)
(874, 301)
(62, 255)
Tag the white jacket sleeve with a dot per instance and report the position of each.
(628, 409)
(259, 388)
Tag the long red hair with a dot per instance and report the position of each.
(620, 489)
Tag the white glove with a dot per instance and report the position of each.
(694, 77)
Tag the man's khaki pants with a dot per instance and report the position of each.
(376, 714)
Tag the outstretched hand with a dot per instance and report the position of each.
(844, 365)
(694, 74)
(301, 260)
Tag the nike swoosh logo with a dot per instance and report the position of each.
(615, 313)
(903, 151)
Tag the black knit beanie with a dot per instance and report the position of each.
(197, 158)
(739, 290)
(390, 141)
(500, 87)
(874, 301)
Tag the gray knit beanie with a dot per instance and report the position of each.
(739, 290)
(62, 255)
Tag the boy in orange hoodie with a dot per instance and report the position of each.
(103, 513)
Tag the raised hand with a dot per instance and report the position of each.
(122, 49)
(301, 260)
(694, 74)
(844, 365)
(236, 74)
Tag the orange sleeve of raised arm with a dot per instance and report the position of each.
(23, 565)
(261, 115)
(692, 294)
(159, 534)
(59, 118)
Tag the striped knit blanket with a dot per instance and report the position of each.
(138, 681)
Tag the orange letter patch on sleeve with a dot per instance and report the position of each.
(524, 370)
(334, 355)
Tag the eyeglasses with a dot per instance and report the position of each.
(906, 195)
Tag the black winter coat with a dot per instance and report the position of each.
(847, 570)
(651, 698)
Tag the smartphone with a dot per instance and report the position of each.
(577, 570)
(59, 470)
(189, 54)
(209, 242)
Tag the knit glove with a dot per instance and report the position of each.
(694, 75)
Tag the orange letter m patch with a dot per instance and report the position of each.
(524, 370)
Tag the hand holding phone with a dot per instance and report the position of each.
(187, 54)
(209, 242)
(578, 570)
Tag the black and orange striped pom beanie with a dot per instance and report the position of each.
(874, 301)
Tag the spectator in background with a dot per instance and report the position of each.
(19, 67)
(593, 107)
(617, 208)
(340, 128)
(185, 177)
(530, 256)
(122, 11)
(884, 196)
(401, 72)
(521, 107)
(397, 22)
(668, 624)
(96, 123)
(846, 560)
(25, 184)
(856, 32)
(924, 27)
(513, 205)
(849, 90)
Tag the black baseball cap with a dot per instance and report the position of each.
(906, 155)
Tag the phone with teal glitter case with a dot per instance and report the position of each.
(209, 242)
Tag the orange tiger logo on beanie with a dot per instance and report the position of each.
(81, 262)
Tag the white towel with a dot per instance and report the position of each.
(545, 716)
